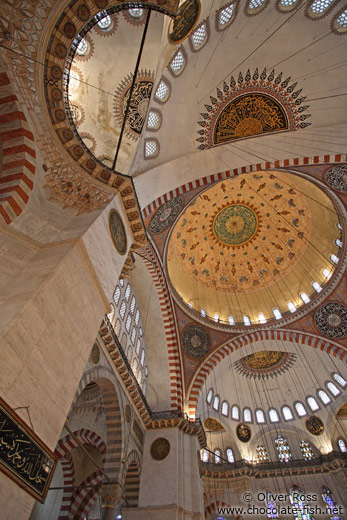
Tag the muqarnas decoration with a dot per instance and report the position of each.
(251, 106)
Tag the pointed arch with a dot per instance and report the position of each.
(106, 381)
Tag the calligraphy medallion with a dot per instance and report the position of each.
(185, 20)
(243, 432)
(315, 425)
(235, 225)
(117, 231)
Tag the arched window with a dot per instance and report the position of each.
(287, 413)
(333, 388)
(247, 415)
(203, 313)
(154, 120)
(116, 295)
(225, 408)
(162, 93)
(216, 317)
(329, 499)
(83, 48)
(122, 310)
(262, 454)
(259, 416)
(306, 450)
(209, 396)
(277, 314)
(262, 318)
(205, 455)
(142, 361)
(327, 273)
(323, 396)
(105, 24)
(177, 63)
(298, 500)
(199, 37)
(312, 403)
(217, 456)
(225, 16)
(137, 317)
(235, 412)
(216, 403)
(283, 450)
(273, 415)
(133, 335)
(230, 455)
(291, 306)
(342, 445)
(136, 12)
(300, 409)
(304, 297)
(316, 287)
(246, 320)
(334, 259)
(340, 380)
(231, 320)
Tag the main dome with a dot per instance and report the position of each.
(252, 243)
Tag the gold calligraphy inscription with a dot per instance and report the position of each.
(23, 456)
(249, 114)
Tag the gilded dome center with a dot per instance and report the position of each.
(235, 224)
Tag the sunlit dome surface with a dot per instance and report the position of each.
(249, 245)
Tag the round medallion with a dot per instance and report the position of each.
(56, 72)
(95, 354)
(196, 341)
(117, 232)
(160, 449)
(69, 30)
(243, 432)
(60, 50)
(336, 177)
(235, 225)
(67, 134)
(60, 115)
(127, 413)
(83, 12)
(331, 319)
(185, 20)
(315, 425)
(165, 215)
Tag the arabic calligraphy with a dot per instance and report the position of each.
(21, 456)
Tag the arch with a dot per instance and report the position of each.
(225, 350)
(85, 497)
(154, 267)
(18, 151)
(249, 168)
(62, 451)
(132, 480)
(102, 377)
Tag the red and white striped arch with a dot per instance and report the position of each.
(155, 269)
(62, 451)
(18, 153)
(85, 498)
(280, 335)
(210, 179)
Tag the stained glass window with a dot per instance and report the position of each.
(320, 6)
(271, 507)
(225, 408)
(341, 23)
(283, 450)
(306, 450)
(262, 454)
(255, 4)
(298, 500)
(230, 455)
(329, 500)
(217, 457)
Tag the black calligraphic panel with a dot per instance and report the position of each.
(23, 456)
